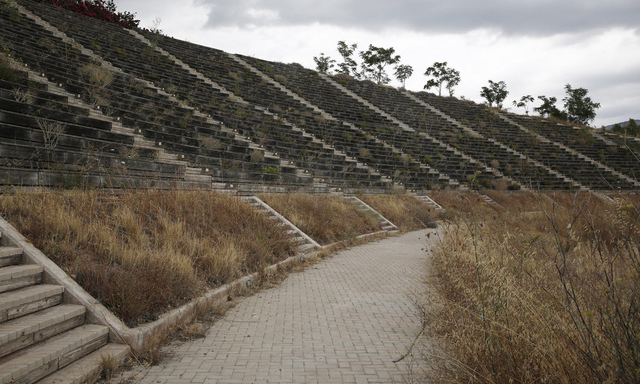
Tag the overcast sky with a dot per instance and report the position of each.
(534, 46)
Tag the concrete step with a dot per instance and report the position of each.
(18, 276)
(363, 208)
(490, 201)
(298, 239)
(10, 256)
(28, 330)
(89, 368)
(33, 363)
(27, 300)
(305, 248)
(430, 202)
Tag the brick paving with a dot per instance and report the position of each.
(343, 320)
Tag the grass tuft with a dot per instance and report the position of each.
(109, 365)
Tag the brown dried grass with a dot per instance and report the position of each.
(405, 211)
(325, 218)
(141, 253)
(546, 297)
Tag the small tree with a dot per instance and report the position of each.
(155, 27)
(403, 72)
(496, 92)
(548, 108)
(629, 129)
(524, 103)
(375, 60)
(632, 128)
(324, 63)
(452, 79)
(442, 75)
(348, 66)
(578, 106)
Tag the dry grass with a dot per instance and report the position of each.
(326, 218)
(458, 201)
(141, 253)
(545, 290)
(405, 211)
(109, 365)
(456, 204)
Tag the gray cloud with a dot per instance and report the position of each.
(522, 17)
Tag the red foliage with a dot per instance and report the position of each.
(98, 9)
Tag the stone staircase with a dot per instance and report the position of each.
(605, 198)
(489, 201)
(430, 202)
(305, 243)
(42, 338)
(363, 207)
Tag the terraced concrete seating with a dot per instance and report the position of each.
(40, 130)
(236, 78)
(309, 85)
(136, 58)
(172, 126)
(42, 337)
(489, 124)
(228, 73)
(217, 66)
(255, 130)
(585, 141)
(631, 143)
(399, 105)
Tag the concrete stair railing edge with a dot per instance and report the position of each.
(387, 225)
(264, 206)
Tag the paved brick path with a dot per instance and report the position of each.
(343, 320)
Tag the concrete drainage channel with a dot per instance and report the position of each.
(114, 335)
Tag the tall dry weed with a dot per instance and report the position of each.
(550, 297)
(144, 252)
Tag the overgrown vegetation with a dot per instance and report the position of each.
(629, 128)
(543, 289)
(98, 9)
(373, 66)
(495, 92)
(6, 72)
(578, 107)
(405, 211)
(441, 75)
(143, 252)
(326, 218)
